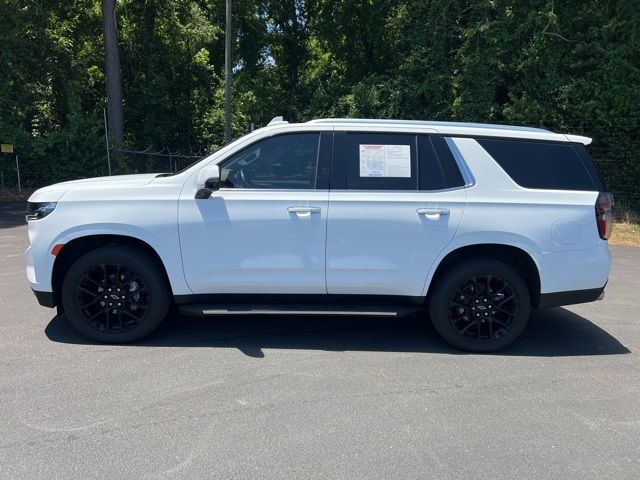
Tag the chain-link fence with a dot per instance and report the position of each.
(615, 149)
(32, 174)
(146, 161)
(616, 152)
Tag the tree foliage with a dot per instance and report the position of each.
(569, 66)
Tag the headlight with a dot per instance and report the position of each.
(36, 211)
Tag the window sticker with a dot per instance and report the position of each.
(385, 161)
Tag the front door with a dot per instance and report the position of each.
(264, 231)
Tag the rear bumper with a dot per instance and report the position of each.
(575, 270)
(557, 299)
(45, 299)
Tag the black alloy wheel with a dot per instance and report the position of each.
(113, 298)
(483, 308)
(116, 294)
(480, 305)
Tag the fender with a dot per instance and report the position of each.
(483, 238)
(167, 250)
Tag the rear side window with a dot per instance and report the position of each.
(393, 161)
(543, 165)
(438, 169)
(381, 161)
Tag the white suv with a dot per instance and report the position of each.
(471, 224)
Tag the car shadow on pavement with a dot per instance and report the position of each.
(553, 332)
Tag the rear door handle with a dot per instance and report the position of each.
(303, 210)
(433, 211)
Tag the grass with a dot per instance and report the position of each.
(626, 227)
(625, 233)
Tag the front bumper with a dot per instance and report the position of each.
(46, 299)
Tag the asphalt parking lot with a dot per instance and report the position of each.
(299, 397)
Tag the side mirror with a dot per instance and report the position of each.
(208, 182)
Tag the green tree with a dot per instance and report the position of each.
(568, 66)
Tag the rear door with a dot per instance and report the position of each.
(396, 201)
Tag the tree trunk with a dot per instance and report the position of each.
(112, 72)
(227, 73)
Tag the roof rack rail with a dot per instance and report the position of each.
(426, 123)
(277, 121)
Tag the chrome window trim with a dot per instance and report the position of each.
(467, 176)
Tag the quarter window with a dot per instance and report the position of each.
(281, 162)
(544, 165)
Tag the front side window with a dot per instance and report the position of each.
(282, 162)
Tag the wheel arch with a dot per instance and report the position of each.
(516, 257)
(79, 246)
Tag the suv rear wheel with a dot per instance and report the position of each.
(115, 294)
(480, 305)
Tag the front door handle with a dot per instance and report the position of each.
(433, 211)
(303, 210)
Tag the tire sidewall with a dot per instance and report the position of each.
(138, 261)
(439, 303)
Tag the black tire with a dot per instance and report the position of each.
(472, 317)
(115, 294)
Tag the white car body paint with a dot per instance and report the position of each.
(359, 242)
(378, 243)
(256, 245)
(500, 211)
(143, 208)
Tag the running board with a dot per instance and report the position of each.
(316, 310)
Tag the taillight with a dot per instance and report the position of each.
(604, 214)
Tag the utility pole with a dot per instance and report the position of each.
(18, 172)
(112, 71)
(227, 74)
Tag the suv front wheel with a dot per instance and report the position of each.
(480, 305)
(115, 294)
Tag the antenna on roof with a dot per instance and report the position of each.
(277, 121)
